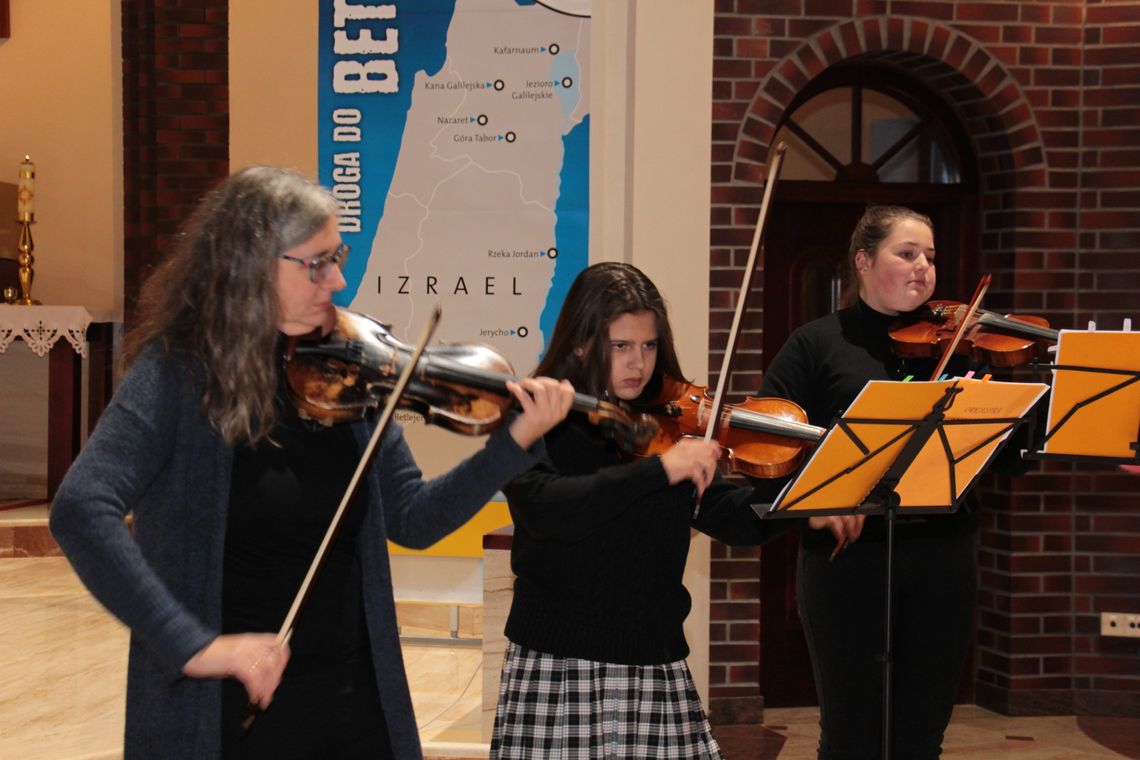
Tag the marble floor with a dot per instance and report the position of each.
(974, 733)
(64, 662)
(64, 658)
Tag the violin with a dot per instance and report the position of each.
(1001, 341)
(760, 437)
(343, 375)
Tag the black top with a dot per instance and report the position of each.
(600, 546)
(825, 364)
(283, 494)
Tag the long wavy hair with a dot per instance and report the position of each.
(214, 298)
(600, 294)
(873, 228)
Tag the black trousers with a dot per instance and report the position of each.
(331, 714)
(842, 608)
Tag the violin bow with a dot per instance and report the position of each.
(315, 566)
(983, 285)
(730, 347)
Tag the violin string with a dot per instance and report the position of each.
(974, 303)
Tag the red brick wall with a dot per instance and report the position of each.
(175, 121)
(1050, 96)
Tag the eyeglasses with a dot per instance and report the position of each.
(321, 267)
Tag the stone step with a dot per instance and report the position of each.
(24, 530)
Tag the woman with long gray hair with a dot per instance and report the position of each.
(230, 492)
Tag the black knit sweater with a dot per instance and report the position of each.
(600, 546)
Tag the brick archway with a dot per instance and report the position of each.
(994, 110)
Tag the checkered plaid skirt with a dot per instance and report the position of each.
(562, 708)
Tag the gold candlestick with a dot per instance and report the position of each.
(26, 260)
(25, 215)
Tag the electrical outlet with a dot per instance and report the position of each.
(1119, 624)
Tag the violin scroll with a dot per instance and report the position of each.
(631, 431)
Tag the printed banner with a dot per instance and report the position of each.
(455, 136)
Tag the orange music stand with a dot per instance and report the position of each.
(1094, 409)
(945, 456)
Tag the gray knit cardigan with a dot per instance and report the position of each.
(153, 454)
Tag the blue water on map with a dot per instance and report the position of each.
(571, 226)
(423, 47)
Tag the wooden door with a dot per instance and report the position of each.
(804, 245)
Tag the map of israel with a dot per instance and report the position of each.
(461, 163)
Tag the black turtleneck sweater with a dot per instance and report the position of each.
(600, 546)
(825, 364)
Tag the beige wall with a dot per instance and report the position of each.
(273, 84)
(61, 89)
(650, 192)
(61, 86)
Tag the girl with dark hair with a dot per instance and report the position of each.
(595, 665)
(231, 492)
(823, 367)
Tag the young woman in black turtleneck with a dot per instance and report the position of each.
(822, 367)
(596, 661)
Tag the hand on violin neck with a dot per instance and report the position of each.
(544, 401)
(692, 459)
